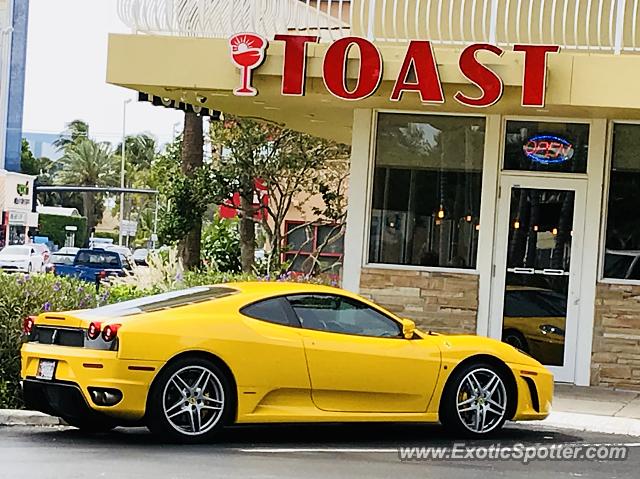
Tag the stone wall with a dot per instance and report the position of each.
(444, 302)
(615, 360)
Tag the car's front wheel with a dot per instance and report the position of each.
(191, 400)
(475, 401)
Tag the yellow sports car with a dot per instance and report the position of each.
(188, 363)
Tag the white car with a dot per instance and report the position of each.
(21, 259)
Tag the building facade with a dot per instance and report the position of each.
(14, 17)
(495, 167)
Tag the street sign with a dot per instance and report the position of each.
(129, 228)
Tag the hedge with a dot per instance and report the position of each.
(53, 226)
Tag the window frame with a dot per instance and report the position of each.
(292, 317)
(487, 175)
(375, 308)
(291, 254)
(606, 187)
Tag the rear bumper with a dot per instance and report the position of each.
(80, 369)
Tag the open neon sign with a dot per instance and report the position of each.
(548, 149)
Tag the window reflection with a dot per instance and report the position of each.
(622, 256)
(426, 191)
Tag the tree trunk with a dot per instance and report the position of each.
(88, 208)
(247, 235)
(192, 159)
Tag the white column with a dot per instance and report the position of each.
(360, 173)
(488, 204)
(598, 161)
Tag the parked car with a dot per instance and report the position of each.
(622, 264)
(43, 250)
(21, 258)
(140, 256)
(89, 264)
(64, 256)
(188, 363)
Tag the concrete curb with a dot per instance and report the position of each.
(593, 423)
(20, 417)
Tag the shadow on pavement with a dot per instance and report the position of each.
(361, 435)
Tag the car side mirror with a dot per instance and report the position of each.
(408, 328)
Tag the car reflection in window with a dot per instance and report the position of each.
(534, 322)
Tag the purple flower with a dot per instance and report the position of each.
(57, 286)
(80, 289)
(46, 307)
(27, 277)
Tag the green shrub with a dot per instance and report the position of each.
(221, 245)
(53, 227)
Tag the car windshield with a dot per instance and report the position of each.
(62, 259)
(173, 299)
(15, 251)
(98, 259)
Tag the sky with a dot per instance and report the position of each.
(66, 71)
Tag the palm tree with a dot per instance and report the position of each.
(76, 131)
(191, 160)
(88, 163)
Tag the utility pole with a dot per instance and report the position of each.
(122, 165)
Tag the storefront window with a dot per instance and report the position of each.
(546, 147)
(426, 190)
(622, 255)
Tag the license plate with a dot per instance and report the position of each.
(46, 369)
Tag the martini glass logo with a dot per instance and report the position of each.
(247, 53)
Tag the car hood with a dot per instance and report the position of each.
(13, 257)
(466, 345)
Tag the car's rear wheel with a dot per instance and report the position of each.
(191, 400)
(475, 401)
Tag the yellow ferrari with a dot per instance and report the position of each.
(187, 363)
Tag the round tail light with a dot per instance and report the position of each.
(27, 325)
(110, 332)
(93, 332)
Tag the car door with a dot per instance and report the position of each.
(358, 359)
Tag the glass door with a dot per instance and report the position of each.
(536, 280)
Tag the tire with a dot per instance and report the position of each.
(196, 411)
(472, 412)
(92, 425)
(516, 339)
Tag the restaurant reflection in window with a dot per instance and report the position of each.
(622, 250)
(426, 190)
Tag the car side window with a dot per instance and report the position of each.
(272, 310)
(338, 314)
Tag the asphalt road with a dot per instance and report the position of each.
(351, 451)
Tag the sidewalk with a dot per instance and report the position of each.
(595, 409)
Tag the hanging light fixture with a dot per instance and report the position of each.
(441, 212)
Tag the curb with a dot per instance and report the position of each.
(593, 423)
(20, 417)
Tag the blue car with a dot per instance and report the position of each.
(92, 265)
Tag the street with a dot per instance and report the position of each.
(350, 451)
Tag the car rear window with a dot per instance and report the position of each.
(98, 259)
(158, 302)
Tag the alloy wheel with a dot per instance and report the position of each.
(481, 400)
(193, 400)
